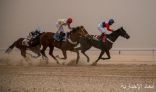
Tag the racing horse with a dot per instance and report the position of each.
(94, 41)
(72, 39)
(34, 46)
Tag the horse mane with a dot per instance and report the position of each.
(118, 29)
(74, 29)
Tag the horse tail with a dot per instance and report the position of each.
(10, 48)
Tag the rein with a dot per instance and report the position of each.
(110, 40)
(70, 40)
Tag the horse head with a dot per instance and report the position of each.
(79, 31)
(83, 30)
(123, 33)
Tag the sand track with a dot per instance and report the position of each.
(101, 78)
(122, 73)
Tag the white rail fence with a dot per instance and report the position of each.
(119, 51)
(134, 50)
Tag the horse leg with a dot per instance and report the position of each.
(64, 54)
(77, 52)
(83, 50)
(51, 53)
(101, 54)
(29, 54)
(108, 54)
(43, 53)
(36, 50)
(23, 53)
(78, 55)
(38, 54)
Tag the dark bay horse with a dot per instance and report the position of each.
(87, 42)
(35, 47)
(73, 37)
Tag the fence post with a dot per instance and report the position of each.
(119, 52)
(153, 52)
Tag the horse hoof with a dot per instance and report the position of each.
(63, 58)
(63, 63)
(57, 62)
(94, 64)
(30, 64)
(77, 63)
(47, 62)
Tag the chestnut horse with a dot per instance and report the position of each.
(47, 40)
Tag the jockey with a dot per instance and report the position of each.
(63, 22)
(105, 29)
(35, 33)
(32, 35)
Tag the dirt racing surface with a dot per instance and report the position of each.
(122, 73)
(101, 78)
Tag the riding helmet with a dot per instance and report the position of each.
(111, 21)
(69, 20)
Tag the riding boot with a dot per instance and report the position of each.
(61, 39)
(103, 37)
(103, 40)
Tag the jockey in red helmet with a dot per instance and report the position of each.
(63, 22)
(105, 29)
(69, 21)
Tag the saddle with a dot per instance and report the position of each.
(61, 36)
(101, 38)
(31, 42)
(34, 41)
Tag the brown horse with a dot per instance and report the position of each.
(73, 37)
(91, 41)
(35, 47)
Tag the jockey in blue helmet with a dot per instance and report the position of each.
(104, 28)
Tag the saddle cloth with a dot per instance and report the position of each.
(58, 37)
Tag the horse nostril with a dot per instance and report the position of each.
(128, 37)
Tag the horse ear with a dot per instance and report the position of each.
(73, 29)
(78, 28)
(81, 26)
